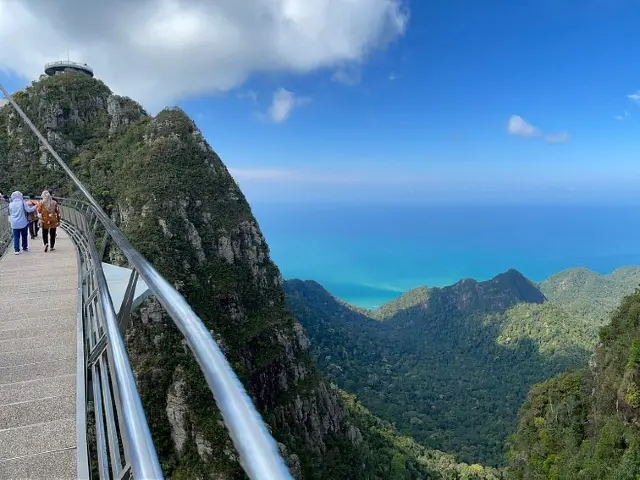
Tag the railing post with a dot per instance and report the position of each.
(127, 301)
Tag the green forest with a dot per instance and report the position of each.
(585, 424)
(451, 366)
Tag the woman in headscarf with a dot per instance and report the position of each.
(33, 218)
(18, 210)
(49, 211)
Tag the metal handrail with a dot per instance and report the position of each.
(106, 357)
(257, 449)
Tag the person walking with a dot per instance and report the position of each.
(33, 218)
(18, 211)
(49, 212)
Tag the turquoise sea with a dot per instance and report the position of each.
(368, 255)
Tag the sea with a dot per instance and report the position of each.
(368, 255)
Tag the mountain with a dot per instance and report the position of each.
(586, 424)
(176, 202)
(451, 366)
(579, 303)
(590, 294)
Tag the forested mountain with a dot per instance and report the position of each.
(451, 366)
(174, 199)
(586, 424)
(583, 292)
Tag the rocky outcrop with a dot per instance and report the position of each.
(177, 412)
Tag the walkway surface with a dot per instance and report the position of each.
(38, 294)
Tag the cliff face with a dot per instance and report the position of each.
(177, 203)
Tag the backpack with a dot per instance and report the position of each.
(50, 220)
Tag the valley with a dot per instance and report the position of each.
(451, 366)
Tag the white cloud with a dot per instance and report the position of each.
(280, 175)
(324, 176)
(622, 117)
(635, 97)
(519, 126)
(392, 76)
(158, 51)
(261, 174)
(557, 137)
(3, 101)
(283, 104)
(347, 75)
(249, 95)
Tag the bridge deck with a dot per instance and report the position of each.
(38, 295)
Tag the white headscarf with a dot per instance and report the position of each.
(17, 196)
(48, 201)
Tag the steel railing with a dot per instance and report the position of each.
(108, 365)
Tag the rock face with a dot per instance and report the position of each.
(177, 203)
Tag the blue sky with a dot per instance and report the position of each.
(424, 117)
(459, 73)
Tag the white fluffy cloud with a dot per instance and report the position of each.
(158, 51)
(520, 127)
(283, 104)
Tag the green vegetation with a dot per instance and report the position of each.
(393, 456)
(451, 366)
(585, 424)
(410, 299)
(588, 294)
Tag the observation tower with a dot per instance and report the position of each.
(67, 66)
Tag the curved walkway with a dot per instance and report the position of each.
(38, 311)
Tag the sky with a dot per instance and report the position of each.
(371, 100)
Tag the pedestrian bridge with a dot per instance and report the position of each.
(69, 405)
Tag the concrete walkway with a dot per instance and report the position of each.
(38, 295)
